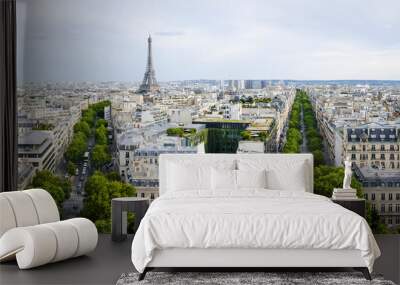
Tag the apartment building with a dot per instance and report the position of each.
(145, 163)
(37, 148)
(382, 189)
(127, 143)
(373, 145)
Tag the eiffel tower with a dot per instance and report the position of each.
(149, 83)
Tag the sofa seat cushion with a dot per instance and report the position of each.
(40, 244)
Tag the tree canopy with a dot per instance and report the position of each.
(77, 147)
(100, 190)
(59, 188)
(175, 132)
(100, 155)
(83, 127)
(101, 135)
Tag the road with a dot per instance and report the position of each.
(73, 206)
(303, 147)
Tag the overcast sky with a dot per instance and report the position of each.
(104, 40)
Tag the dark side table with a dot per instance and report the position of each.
(119, 219)
(355, 205)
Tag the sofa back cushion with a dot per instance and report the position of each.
(26, 208)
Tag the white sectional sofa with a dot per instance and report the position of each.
(31, 231)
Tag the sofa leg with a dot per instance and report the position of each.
(365, 272)
(143, 274)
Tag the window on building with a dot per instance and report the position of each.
(390, 220)
(353, 147)
(390, 208)
(127, 154)
(353, 156)
(382, 156)
(383, 196)
(152, 196)
(372, 196)
(382, 208)
(392, 147)
(373, 207)
(142, 195)
(391, 157)
(366, 196)
(397, 208)
(382, 147)
(397, 196)
(373, 147)
(397, 220)
(363, 147)
(390, 196)
(373, 156)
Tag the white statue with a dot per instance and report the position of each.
(347, 174)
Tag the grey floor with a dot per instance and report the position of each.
(111, 259)
(104, 266)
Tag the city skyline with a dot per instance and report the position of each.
(223, 40)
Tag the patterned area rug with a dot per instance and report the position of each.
(242, 278)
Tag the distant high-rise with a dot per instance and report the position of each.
(149, 83)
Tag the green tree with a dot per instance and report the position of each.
(71, 167)
(98, 108)
(83, 127)
(175, 132)
(59, 188)
(100, 191)
(246, 135)
(113, 176)
(263, 136)
(314, 143)
(77, 147)
(328, 177)
(97, 202)
(318, 157)
(100, 155)
(103, 226)
(89, 116)
(101, 135)
(101, 122)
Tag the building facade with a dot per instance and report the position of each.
(373, 145)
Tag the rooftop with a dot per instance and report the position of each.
(221, 120)
(33, 137)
